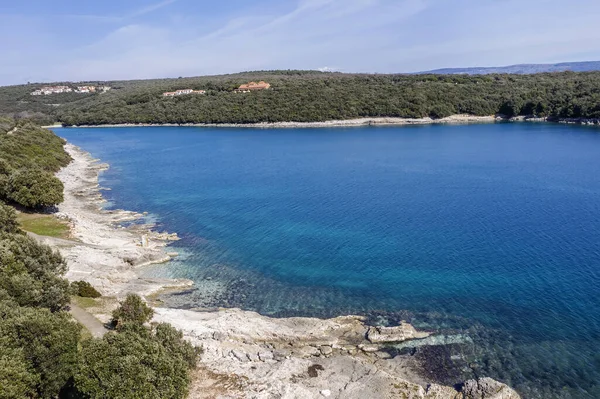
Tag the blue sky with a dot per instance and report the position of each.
(43, 40)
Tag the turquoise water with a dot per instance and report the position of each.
(490, 231)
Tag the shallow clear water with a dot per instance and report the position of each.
(489, 230)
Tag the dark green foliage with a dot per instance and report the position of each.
(34, 188)
(132, 310)
(5, 172)
(306, 96)
(30, 146)
(29, 156)
(84, 289)
(172, 340)
(39, 348)
(17, 379)
(8, 220)
(31, 273)
(136, 363)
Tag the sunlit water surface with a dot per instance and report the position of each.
(490, 231)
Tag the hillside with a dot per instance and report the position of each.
(308, 96)
(522, 69)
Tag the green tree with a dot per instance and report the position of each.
(172, 340)
(48, 342)
(17, 379)
(5, 171)
(132, 310)
(31, 273)
(133, 363)
(34, 188)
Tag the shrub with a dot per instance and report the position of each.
(34, 188)
(43, 350)
(8, 220)
(135, 363)
(132, 310)
(31, 273)
(84, 289)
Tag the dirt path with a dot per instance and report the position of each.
(93, 325)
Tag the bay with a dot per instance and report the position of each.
(489, 231)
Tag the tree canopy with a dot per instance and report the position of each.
(307, 96)
(29, 157)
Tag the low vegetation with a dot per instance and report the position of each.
(84, 289)
(307, 96)
(43, 225)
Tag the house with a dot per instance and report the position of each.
(183, 92)
(46, 90)
(253, 86)
(86, 89)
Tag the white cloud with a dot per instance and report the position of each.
(152, 8)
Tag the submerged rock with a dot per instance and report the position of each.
(399, 333)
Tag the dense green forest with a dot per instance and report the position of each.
(29, 157)
(306, 96)
(43, 353)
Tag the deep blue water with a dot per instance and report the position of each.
(489, 230)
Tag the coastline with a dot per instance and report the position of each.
(378, 121)
(245, 354)
(459, 119)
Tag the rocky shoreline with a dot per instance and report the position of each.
(375, 121)
(246, 355)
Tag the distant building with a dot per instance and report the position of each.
(183, 92)
(85, 89)
(92, 89)
(253, 86)
(47, 90)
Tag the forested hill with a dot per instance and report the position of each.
(306, 96)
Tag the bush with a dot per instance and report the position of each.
(84, 289)
(136, 363)
(34, 188)
(132, 310)
(17, 380)
(42, 347)
(31, 273)
(8, 220)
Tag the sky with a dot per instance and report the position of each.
(75, 40)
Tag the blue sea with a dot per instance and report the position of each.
(490, 232)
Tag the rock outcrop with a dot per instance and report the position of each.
(311, 358)
(487, 388)
(399, 333)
